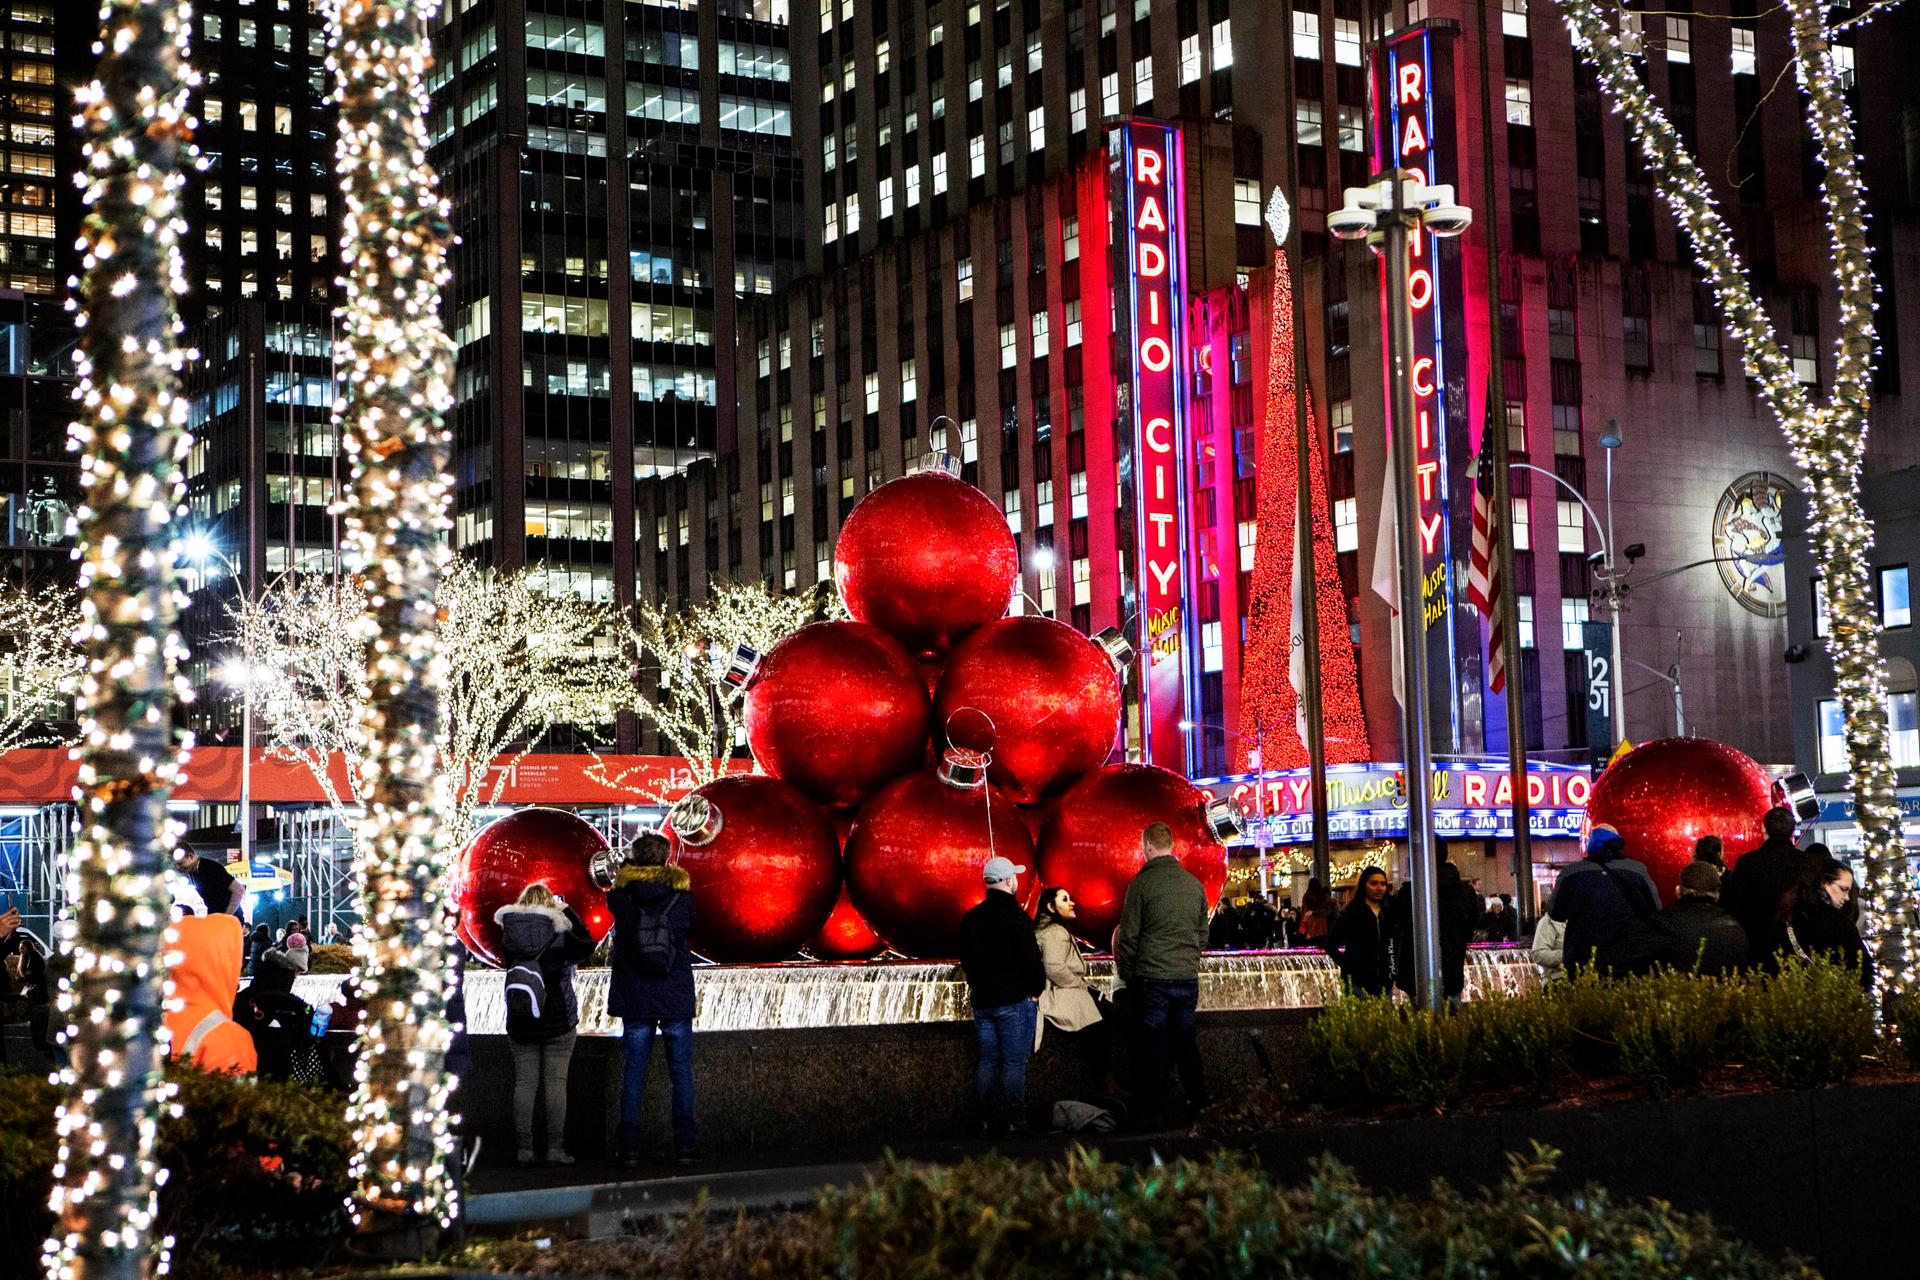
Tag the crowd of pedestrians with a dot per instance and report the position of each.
(1778, 900)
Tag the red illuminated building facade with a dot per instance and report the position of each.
(979, 293)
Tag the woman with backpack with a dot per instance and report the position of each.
(651, 988)
(541, 939)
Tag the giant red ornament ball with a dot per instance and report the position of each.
(1091, 840)
(767, 880)
(534, 846)
(927, 558)
(838, 709)
(846, 935)
(1663, 795)
(915, 855)
(1039, 695)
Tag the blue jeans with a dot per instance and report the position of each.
(1166, 1032)
(1006, 1042)
(637, 1039)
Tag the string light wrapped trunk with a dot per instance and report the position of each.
(1828, 441)
(131, 435)
(396, 362)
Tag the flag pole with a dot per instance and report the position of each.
(1524, 905)
(1305, 575)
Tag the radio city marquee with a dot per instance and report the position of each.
(1414, 129)
(1148, 190)
(1369, 801)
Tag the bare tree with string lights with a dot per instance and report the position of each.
(131, 434)
(396, 361)
(1828, 438)
(40, 664)
(518, 664)
(682, 656)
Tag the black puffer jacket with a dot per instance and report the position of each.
(556, 939)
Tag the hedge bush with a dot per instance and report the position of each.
(1224, 1220)
(257, 1171)
(330, 957)
(1807, 1026)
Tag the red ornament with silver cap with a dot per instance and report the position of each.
(915, 855)
(561, 850)
(838, 709)
(1664, 795)
(927, 558)
(1091, 840)
(764, 866)
(1041, 696)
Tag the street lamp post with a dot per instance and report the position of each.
(1385, 214)
(199, 550)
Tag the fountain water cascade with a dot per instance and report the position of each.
(775, 997)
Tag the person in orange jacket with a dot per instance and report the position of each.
(203, 955)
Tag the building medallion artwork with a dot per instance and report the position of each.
(1746, 542)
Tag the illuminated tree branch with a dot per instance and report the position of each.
(40, 664)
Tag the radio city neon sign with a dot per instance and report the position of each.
(1384, 787)
(1407, 137)
(1149, 192)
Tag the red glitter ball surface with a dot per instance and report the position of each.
(927, 558)
(1050, 694)
(846, 935)
(769, 879)
(1091, 840)
(1663, 795)
(534, 846)
(915, 856)
(838, 709)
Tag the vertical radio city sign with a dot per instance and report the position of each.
(1149, 201)
(1413, 115)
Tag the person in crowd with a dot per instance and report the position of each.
(540, 931)
(1498, 924)
(1163, 926)
(332, 935)
(1288, 926)
(651, 989)
(1601, 898)
(1711, 849)
(203, 959)
(1361, 943)
(1760, 878)
(1316, 913)
(1068, 1004)
(257, 943)
(1818, 916)
(1005, 979)
(26, 992)
(282, 962)
(218, 890)
(1549, 948)
(1459, 909)
(1695, 934)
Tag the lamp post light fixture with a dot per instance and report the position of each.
(1385, 214)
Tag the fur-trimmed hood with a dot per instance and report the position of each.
(527, 931)
(670, 877)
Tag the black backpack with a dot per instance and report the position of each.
(648, 946)
(526, 997)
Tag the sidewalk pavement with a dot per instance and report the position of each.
(593, 1199)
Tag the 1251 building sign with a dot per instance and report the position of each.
(1148, 190)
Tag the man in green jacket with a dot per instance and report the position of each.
(1163, 927)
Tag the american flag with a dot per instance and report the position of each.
(1483, 567)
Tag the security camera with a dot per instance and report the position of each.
(1596, 558)
(1635, 550)
(1448, 220)
(1350, 223)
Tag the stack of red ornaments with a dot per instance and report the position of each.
(901, 750)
